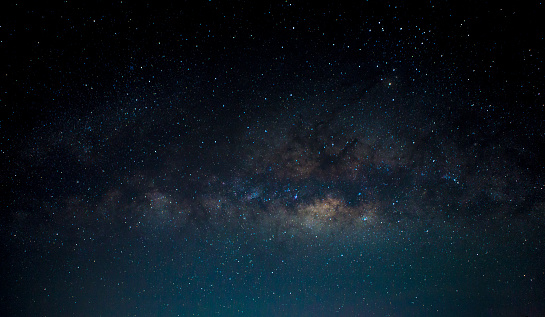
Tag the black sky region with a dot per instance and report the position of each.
(272, 158)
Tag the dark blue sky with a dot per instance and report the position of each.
(273, 159)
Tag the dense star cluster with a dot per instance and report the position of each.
(276, 159)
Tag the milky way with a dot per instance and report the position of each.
(330, 167)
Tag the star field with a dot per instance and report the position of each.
(275, 159)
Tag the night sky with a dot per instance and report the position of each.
(272, 158)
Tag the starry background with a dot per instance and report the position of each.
(272, 159)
